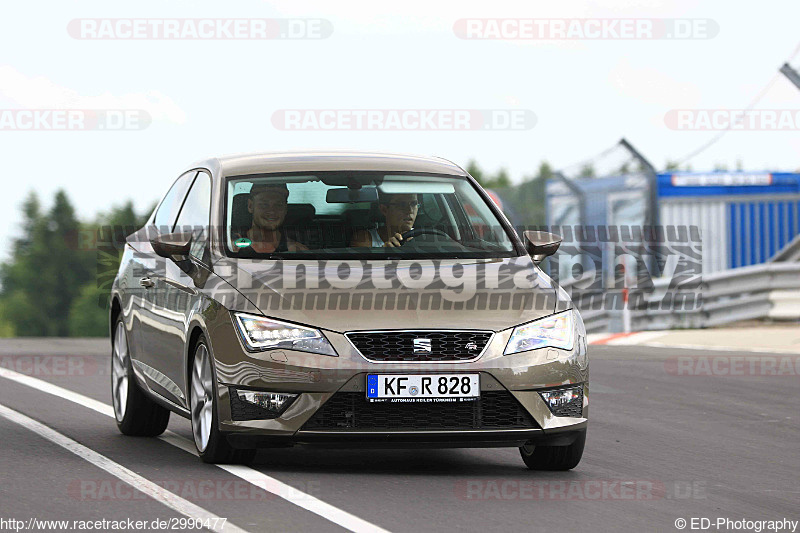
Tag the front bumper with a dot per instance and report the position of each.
(317, 378)
(509, 438)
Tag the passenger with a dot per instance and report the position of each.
(400, 212)
(267, 203)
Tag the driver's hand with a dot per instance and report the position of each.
(394, 241)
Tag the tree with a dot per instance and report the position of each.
(500, 180)
(474, 170)
(6, 327)
(70, 267)
(46, 270)
(545, 171)
(21, 278)
(56, 281)
(526, 201)
(89, 312)
(86, 317)
(587, 171)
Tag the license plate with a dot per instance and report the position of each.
(423, 387)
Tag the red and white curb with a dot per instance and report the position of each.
(633, 338)
(660, 338)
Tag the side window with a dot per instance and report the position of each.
(171, 204)
(194, 216)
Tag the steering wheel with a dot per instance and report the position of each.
(416, 232)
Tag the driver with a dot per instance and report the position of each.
(400, 212)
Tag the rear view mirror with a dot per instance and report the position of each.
(172, 244)
(346, 195)
(541, 244)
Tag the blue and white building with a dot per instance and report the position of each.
(745, 218)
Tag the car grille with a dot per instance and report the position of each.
(351, 410)
(400, 345)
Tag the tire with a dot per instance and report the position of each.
(136, 414)
(554, 457)
(211, 443)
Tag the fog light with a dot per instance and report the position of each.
(564, 402)
(253, 405)
(271, 401)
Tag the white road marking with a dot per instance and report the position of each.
(274, 486)
(174, 502)
(251, 475)
(55, 390)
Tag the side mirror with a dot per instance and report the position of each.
(172, 244)
(541, 244)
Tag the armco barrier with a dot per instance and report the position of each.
(770, 290)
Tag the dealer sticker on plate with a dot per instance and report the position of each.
(423, 387)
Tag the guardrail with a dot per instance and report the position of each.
(770, 290)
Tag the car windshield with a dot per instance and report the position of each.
(360, 213)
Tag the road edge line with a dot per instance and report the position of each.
(139, 483)
(251, 475)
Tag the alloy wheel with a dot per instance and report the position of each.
(202, 403)
(119, 372)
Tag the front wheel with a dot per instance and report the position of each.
(136, 414)
(210, 442)
(554, 457)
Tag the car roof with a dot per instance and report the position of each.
(318, 161)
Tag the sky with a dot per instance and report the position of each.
(215, 97)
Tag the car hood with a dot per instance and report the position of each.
(351, 295)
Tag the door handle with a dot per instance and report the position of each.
(146, 282)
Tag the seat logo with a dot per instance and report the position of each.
(423, 346)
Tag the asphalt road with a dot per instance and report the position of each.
(661, 446)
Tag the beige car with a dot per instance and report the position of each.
(358, 299)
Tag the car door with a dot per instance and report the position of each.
(181, 281)
(157, 322)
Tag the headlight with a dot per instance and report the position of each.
(265, 334)
(557, 331)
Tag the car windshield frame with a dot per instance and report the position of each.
(517, 247)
